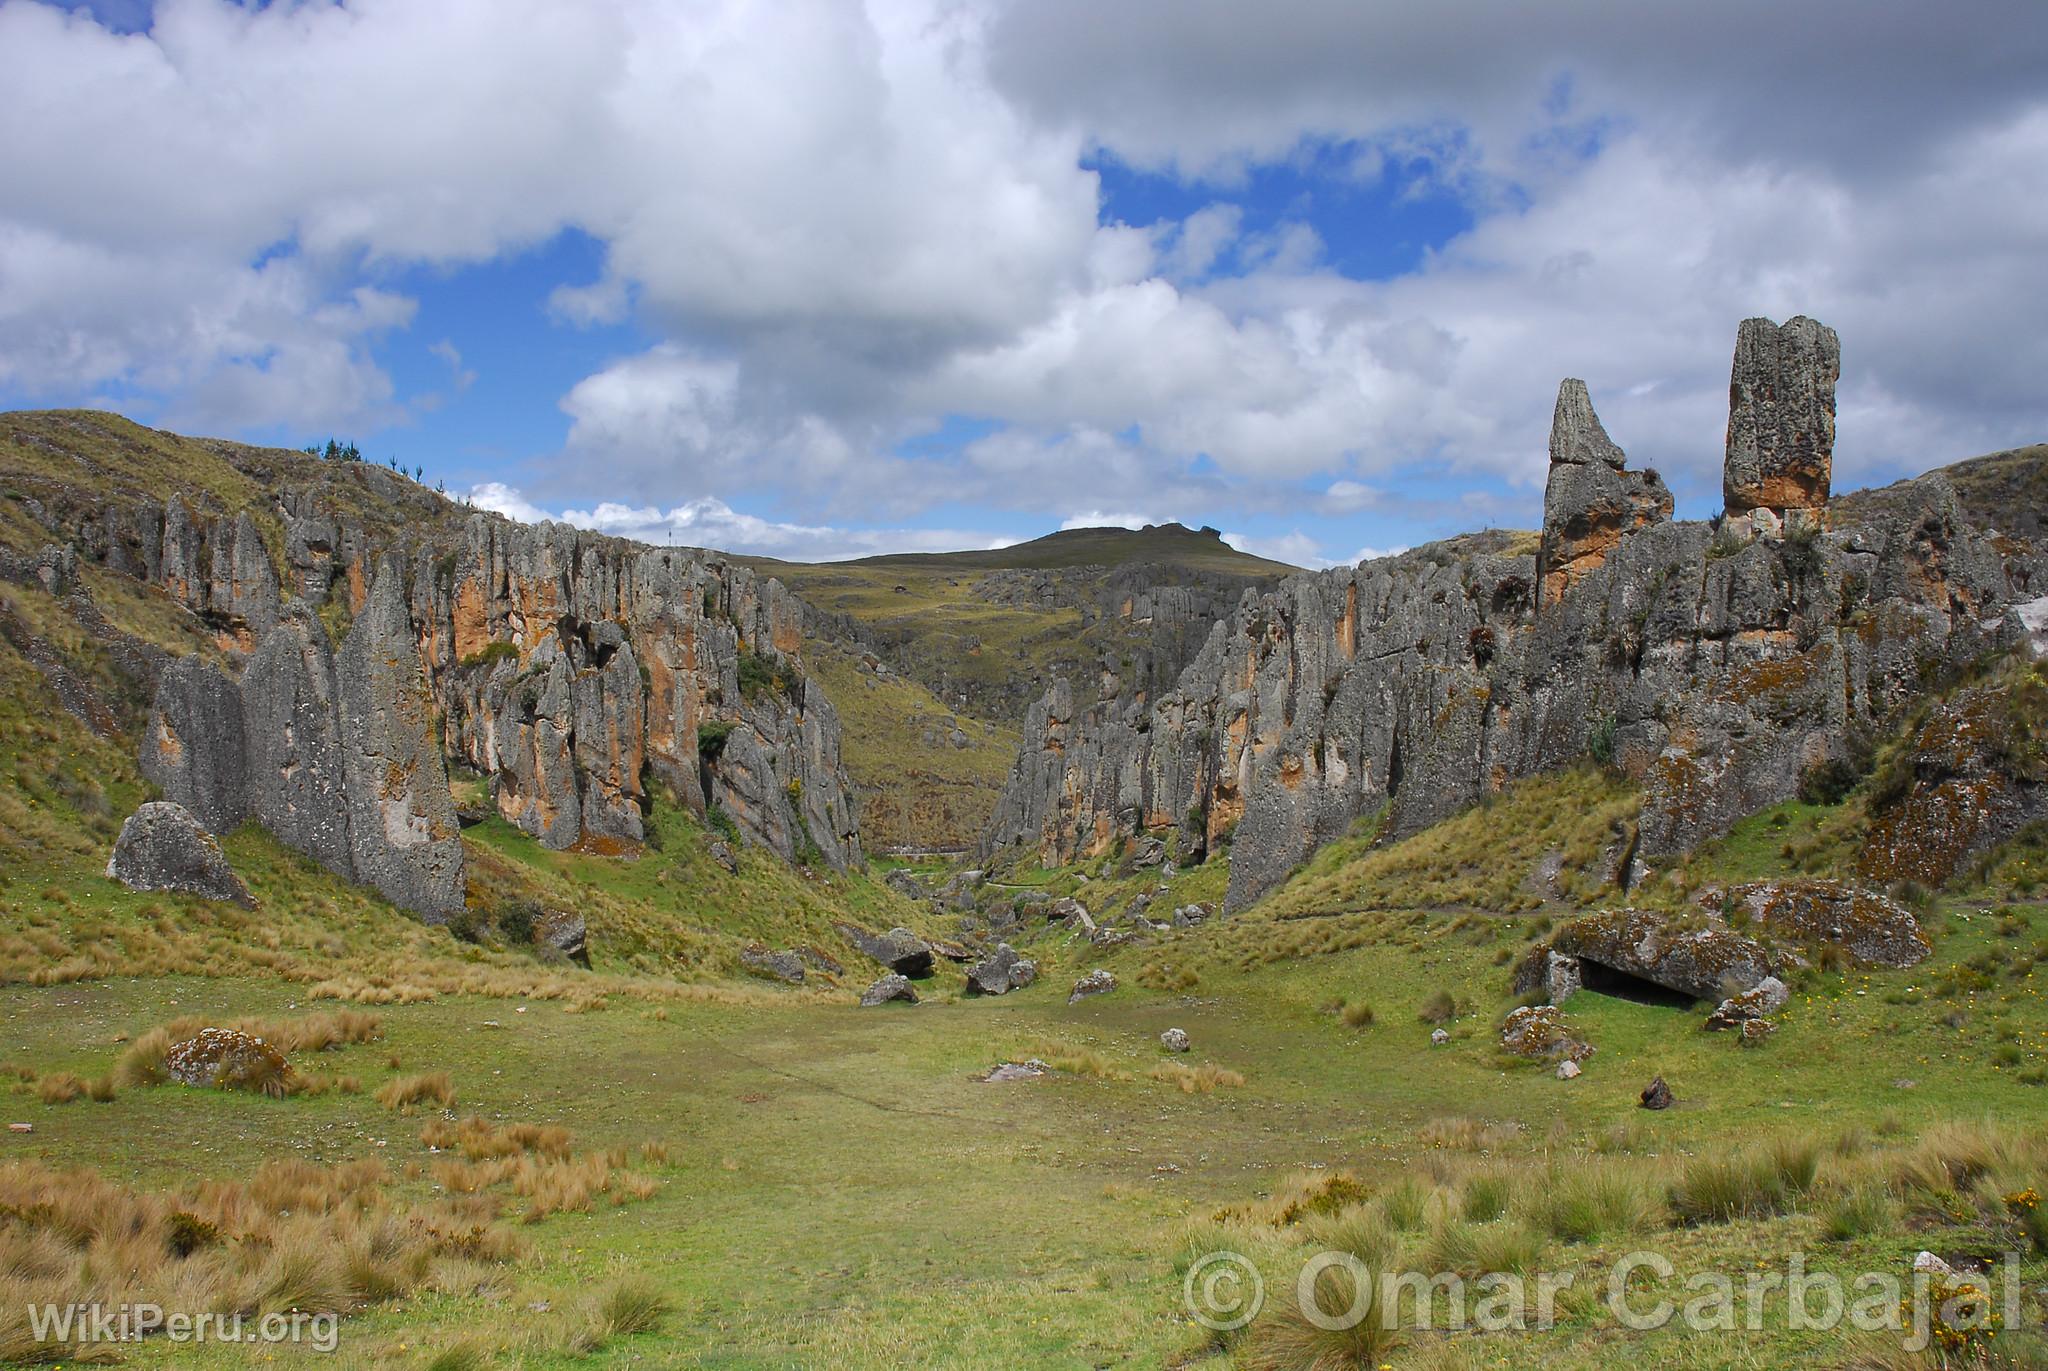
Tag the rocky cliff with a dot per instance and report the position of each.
(577, 673)
(1715, 663)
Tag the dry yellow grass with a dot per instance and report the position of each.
(294, 1236)
(428, 1087)
(1196, 1080)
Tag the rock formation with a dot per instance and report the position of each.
(402, 832)
(1781, 425)
(1715, 673)
(1591, 500)
(192, 746)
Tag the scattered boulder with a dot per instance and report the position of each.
(229, 1059)
(1765, 998)
(1189, 915)
(1096, 982)
(563, 931)
(781, 966)
(1539, 1033)
(1001, 972)
(721, 853)
(1567, 1070)
(1175, 1040)
(1439, 1036)
(904, 884)
(1150, 852)
(162, 847)
(1657, 1095)
(902, 951)
(889, 987)
(1755, 1031)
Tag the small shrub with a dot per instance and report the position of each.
(60, 1088)
(1357, 1015)
(711, 738)
(1440, 1008)
(432, 1087)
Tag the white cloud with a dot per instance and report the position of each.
(711, 523)
(1096, 518)
(843, 222)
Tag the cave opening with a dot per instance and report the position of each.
(1624, 985)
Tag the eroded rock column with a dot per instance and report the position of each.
(1781, 426)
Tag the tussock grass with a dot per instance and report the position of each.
(1754, 1183)
(293, 1236)
(480, 1140)
(1590, 1201)
(428, 1087)
(1195, 1080)
(631, 1307)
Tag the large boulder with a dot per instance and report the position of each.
(1539, 1033)
(1001, 972)
(1096, 982)
(228, 1059)
(193, 745)
(889, 987)
(1591, 501)
(403, 833)
(1870, 927)
(563, 931)
(1698, 957)
(902, 951)
(1760, 1001)
(779, 966)
(162, 847)
(1781, 422)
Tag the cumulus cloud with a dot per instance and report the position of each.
(711, 523)
(842, 224)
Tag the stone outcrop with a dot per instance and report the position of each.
(572, 670)
(192, 746)
(901, 950)
(1781, 425)
(162, 847)
(1096, 982)
(403, 836)
(1974, 772)
(576, 669)
(1591, 500)
(1714, 672)
(1760, 1001)
(334, 754)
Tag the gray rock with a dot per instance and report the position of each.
(1755, 1032)
(291, 719)
(1096, 982)
(1439, 1036)
(1761, 1000)
(901, 950)
(717, 850)
(781, 966)
(1590, 502)
(1001, 972)
(1175, 1040)
(1702, 961)
(403, 835)
(564, 931)
(192, 746)
(1711, 672)
(1567, 1070)
(1781, 416)
(889, 987)
(1657, 1095)
(162, 847)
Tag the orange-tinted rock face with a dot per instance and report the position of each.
(1591, 501)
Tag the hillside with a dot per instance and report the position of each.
(602, 1114)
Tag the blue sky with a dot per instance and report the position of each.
(829, 279)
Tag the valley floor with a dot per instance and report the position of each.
(839, 1189)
